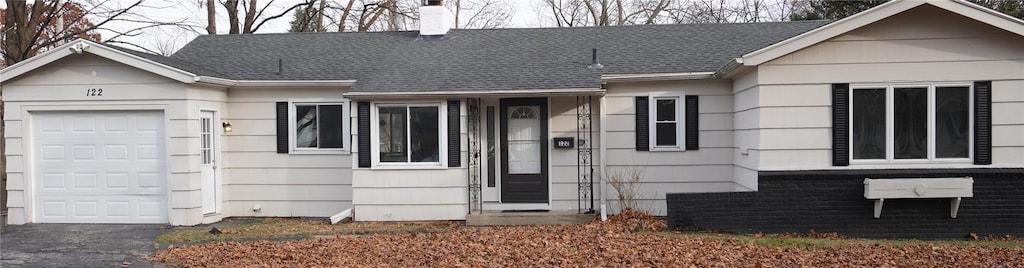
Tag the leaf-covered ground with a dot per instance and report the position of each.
(613, 243)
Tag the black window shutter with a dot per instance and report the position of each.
(692, 121)
(363, 128)
(454, 139)
(643, 141)
(282, 127)
(983, 123)
(840, 124)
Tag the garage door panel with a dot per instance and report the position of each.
(126, 150)
(100, 209)
(100, 167)
(102, 182)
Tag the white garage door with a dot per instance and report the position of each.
(99, 167)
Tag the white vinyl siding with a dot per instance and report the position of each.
(920, 47)
(409, 192)
(58, 87)
(709, 169)
(302, 183)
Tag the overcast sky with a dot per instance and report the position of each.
(169, 38)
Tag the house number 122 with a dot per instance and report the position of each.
(93, 92)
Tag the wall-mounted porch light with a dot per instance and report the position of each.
(227, 126)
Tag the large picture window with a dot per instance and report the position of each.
(896, 123)
(409, 133)
(319, 127)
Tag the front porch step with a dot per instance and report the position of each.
(509, 218)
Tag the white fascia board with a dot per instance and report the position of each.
(477, 93)
(611, 78)
(35, 62)
(829, 31)
(62, 51)
(294, 83)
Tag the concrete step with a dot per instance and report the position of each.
(508, 218)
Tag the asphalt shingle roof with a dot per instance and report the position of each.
(173, 62)
(494, 59)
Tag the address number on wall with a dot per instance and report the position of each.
(94, 92)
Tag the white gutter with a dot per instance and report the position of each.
(295, 83)
(656, 77)
(272, 83)
(341, 216)
(496, 93)
(729, 67)
(214, 81)
(601, 153)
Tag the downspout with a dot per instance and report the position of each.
(601, 154)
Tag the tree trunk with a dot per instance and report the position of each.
(320, 16)
(344, 15)
(250, 17)
(232, 7)
(211, 17)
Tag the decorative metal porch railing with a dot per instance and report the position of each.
(473, 140)
(584, 153)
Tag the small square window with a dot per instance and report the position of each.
(319, 126)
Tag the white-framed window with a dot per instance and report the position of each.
(911, 123)
(318, 127)
(409, 134)
(667, 121)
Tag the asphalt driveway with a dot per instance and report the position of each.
(77, 245)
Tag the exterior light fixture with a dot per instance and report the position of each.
(227, 126)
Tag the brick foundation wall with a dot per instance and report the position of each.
(833, 201)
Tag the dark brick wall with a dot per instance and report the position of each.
(833, 201)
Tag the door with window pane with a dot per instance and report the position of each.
(208, 161)
(524, 151)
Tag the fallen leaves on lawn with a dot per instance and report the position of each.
(601, 244)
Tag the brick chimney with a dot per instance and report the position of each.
(435, 19)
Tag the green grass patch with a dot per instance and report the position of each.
(285, 228)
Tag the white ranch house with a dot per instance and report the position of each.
(439, 124)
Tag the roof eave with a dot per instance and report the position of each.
(294, 83)
(362, 95)
(65, 50)
(616, 78)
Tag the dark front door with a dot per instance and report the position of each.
(524, 150)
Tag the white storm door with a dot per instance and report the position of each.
(99, 167)
(208, 161)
